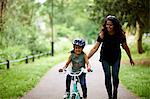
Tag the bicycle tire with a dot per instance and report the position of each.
(73, 96)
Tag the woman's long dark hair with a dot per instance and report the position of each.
(117, 26)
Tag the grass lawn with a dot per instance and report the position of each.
(23, 77)
(136, 79)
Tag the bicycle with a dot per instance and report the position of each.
(75, 94)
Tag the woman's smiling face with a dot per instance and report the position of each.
(109, 26)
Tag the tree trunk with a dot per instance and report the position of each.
(139, 32)
(2, 8)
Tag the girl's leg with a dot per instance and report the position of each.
(68, 82)
(83, 84)
(106, 68)
(115, 75)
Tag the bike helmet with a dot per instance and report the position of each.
(79, 42)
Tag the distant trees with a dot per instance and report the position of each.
(19, 35)
(70, 18)
(25, 25)
(135, 13)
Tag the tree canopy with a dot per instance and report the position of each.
(135, 13)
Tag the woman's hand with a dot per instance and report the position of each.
(101, 34)
(132, 62)
(60, 70)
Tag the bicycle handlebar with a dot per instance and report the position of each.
(83, 70)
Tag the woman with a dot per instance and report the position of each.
(111, 37)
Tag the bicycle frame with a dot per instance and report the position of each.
(75, 75)
(75, 93)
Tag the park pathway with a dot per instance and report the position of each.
(52, 85)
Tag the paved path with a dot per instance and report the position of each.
(52, 85)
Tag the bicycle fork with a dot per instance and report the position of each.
(75, 91)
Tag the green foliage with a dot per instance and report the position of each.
(72, 15)
(64, 45)
(14, 52)
(31, 27)
(20, 35)
(133, 49)
(126, 10)
(68, 32)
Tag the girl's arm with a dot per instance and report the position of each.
(126, 48)
(68, 62)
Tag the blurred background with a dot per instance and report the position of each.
(28, 27)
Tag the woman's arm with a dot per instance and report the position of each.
(87, 63)
(126, 48)
(94, 49)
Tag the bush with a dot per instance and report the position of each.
(64, 45)
(14, 52)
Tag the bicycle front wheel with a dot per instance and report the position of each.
(73, 96)
(76, 97)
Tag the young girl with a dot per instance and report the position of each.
(78, 59)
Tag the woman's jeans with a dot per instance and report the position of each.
(115, 76)
(82, 78)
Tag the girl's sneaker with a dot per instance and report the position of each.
(66, 95)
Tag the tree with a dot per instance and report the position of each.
(71, 15)
(2, 9)
(134, 12)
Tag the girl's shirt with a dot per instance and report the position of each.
(77, 62)
(110, 49)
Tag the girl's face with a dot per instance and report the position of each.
(78, 49)
(109, 26)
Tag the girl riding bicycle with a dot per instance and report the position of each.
(78, 59)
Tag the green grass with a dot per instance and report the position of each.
(23, 77)
(136, 79)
